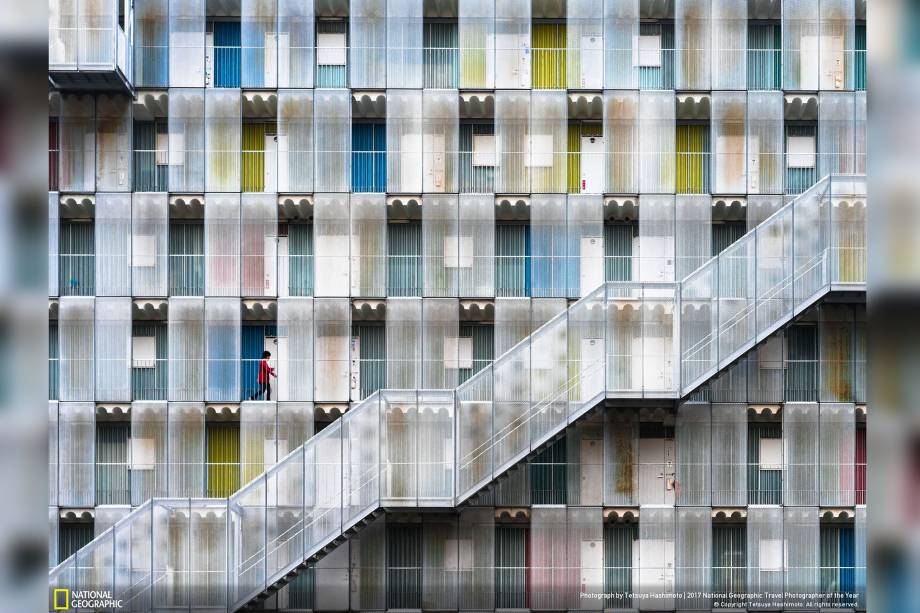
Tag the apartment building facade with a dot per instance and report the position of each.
(565, 300)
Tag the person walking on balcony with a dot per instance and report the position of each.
(265, 372)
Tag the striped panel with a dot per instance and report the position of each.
(148, 176)
(860, 60)
(729, 559)
(372, 357)
(692, 149)
(54, 154)
(802, 363)
(618, 250)
(726, 233)
(186, 259)
(404, 259)
(300, 259)
(441, 55)
(511, 567)
(512, 260)
(332, 75)
(253, 344)
(71, 537)
(223, 441)
(474, 179)
(764, 56)
(368, 157)
(659, 77)
(838, 573)
(112, 483)
(54, 362)
(226, 53)
(77, 266)
(301, 589)
(151, 383)
(619, 541)
(483, 339)
(548, 475)
(575, 134)
(548, 41)
(253, 155)
(764, 486)
(404, 566)
(151, 52)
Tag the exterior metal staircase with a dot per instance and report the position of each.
(623, 340)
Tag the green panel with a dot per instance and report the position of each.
(223, 459)
(764, 486)
(404, 261)
(302, 588)
(253, 154)
(729, 558)
(151, 383)
(474, 179)
(441, 61)
(112, 481)
(618, 250)
(860, 63)
(764, 56)
(186, 259)
(372, 350)
(802, 363)
(548, 475)
(72, 536)
(404, 566)
(510, 567)
(548, 42)
(54, 362)
(300, 259)
(77, 266)
(692, 146)
(511, 262)
(619, 540)
(483, 336)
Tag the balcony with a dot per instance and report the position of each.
(90, 45)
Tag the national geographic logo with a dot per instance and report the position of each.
(63, 600)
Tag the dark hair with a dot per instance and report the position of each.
(266, 354)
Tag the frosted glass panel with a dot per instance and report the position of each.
(693, 37)
(404, 141)
(222, 244)
(113, 143)
(404, 43)
(222, 123)
(332, 333)
(476, 25)
(441, 247)
(148, 434)
(113, 349)
(656, 238)
(186, 449)
(295, 141)
(186, 140)
(331, 247)
(295, 44)
(186, 43)
(729, 454)
(368, 245)
(693, 434)
(332, 131)
(728, 133)
(149, 246)
(476, 246)
(222, 338)
(186, 348)
(113, 244)
(259, 245)
(800, 449)
(295, 349)
(368, 30)
(512, 125)
(657, 143)
(76, 454)
(404, 343)
(75, 329)
(729, 44)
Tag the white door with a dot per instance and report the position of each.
(270, 163)
(512, 59)
(592, 164)
(651, 363)
(592, 576)
(283, 266)
(434, 163)
(273, 345)
(592, 62)
(270, 265)
(656, 471)
(282, 163)
(591, 264)
(270, 55)
(592, 471)
(753, 169)
(656, 573)
(832, 67)
(355, 370)
(410, 163)
(592, 366)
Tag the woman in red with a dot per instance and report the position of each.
(265, 371)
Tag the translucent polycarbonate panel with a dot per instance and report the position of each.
(368, 245)
(693, 435)
(361, 447)
(765, 162)
(258, 34)
(848, 262)
(837, 453)
(474, 432)
(729, 111)
(440, 141)
(621, 125)
(836, 133)
(802, 556)
(404, 141)
(729, 454)
(761, 208)
(476, 26)
(657, 144)
(729, 44)
(584, 446)
(774, 269)
(624, 342)
(332, 333)
(295, 426)
(53, 460)
(323, 486)
(547, 146)
(186, 349)
(107, 516)
(585, 369)
(113, 244)
(331, 244)
(151, 43)
(404, 43)
(836, 347)
(63, 34)
(441, 246)
(657, 238)
(295, 139)
(76, 485)
(54, 242)
(223, 139)
(436, 448)
(860, 530)
(246, 517)
(659, 372)
(222, 349)
(837, 44)
(801, 62)
(512, 44)
(77, 171)
(737, 270)
(476, 246)
(133, 558)
(549, 586)
(621, 31)
(285, 542)
(548, 245)
(148, 451)
(860, 133)
(512, 322)
(368, 31)
(693, 36)
(511, 419)
(171, 553)
(441, 346)
(585, 44)
(730, 385)
(186, 449)
(210, 547)
(186, 140)
(765, 558)
(186, 43)
(295, 44)
(332, 131)
(512, 137)
(811, 220)
(149, 248)
(113, 349)
(259, 245)
(440, 556)
(694, 556)
(222, 244)
(75, 334)
(368, 553)
(113, 143)
(585, 249)
(476, 536)
(258, 433)
(94, 564)
(404, 343)
(693, 225)
(800, 453)
(655, 575)
(546, 372)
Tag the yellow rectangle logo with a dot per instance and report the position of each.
(58, 593)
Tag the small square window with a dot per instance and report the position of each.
(330, 49)
(771, 454)
(647, 51)
(144, 351)
(800, 151)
